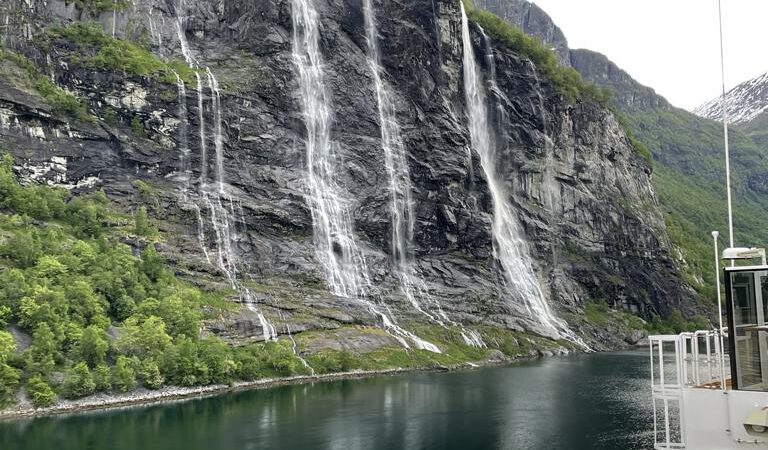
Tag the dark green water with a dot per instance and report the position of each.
(584, 402)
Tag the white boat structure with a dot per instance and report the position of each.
(710, 387)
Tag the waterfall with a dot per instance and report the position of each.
(335, 243)
(213, 84)
(336, 246)
(218, 203)
(114, 17)
(183, 132)
(401, 205)
(510, 247)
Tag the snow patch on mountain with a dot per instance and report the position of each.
(743, 103)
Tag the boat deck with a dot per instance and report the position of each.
(716, 385)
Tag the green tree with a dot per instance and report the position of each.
(5, 315)
(13, 287)
(79, 381)
(40, 392)
(152, 263)
(86, 307)
(215, 354)
(40, 357)
(141, 222)
(9, 188)
(183, 365)
(143, 338)
(93, 346)
(86, 217)
(150, 375)
(102, 377)
(123, 374)
(179, 316)
(9, 382)
(7, 346)
(22, 248)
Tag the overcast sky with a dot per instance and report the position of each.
(670, 45)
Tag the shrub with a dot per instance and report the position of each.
(566, 79)
(104, 52)
(40, 392)
(123, 375)
(79, 382)
(60, 100)
(102, 377)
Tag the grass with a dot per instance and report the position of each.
(29, 77)
(454, 350)
(98, 51)
(566, 80)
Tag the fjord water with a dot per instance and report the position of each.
(582, 402)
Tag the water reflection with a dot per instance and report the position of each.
(584, 402)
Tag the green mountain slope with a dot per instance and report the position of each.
(689, 176)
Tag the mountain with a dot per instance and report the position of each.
(745, 103)
(689, 172)
(246, 189)
(532, 20)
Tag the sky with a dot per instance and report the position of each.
(671, 45)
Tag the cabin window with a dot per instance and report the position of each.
(747, 302)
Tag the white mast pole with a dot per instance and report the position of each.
(721, 356)
(725, 130)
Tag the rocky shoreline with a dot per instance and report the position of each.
(145, 397)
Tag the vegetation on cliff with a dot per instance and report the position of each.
(103, 315)
(99, 317)
(690, 182)
(96, 50)
(566, 80)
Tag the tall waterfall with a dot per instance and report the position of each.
(220, 206)
(183, 133)
(510, 247)
(335, 243)
(401, 205)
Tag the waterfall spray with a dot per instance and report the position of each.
(509, 247)
(401, 204)
(336, 246)
(218, 203)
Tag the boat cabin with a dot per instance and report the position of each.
(710, 389)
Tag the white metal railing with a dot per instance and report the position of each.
(678, 361)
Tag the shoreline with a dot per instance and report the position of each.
(145, 397)
(169, 394)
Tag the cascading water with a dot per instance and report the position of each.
(335, 243)
(510, 248)
(183, 133)
(401, 205)
(219, 204)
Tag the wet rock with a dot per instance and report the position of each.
(583, 196)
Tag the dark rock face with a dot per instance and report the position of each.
(584, 197)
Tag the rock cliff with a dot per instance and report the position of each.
(583, 195)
